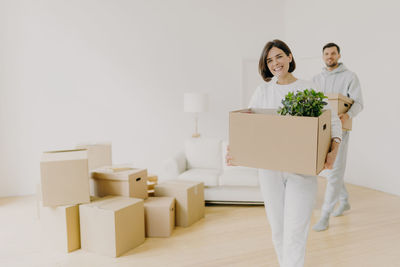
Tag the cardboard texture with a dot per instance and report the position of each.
(159, 216)
(152, 180)
(60, 227)
(266, 140)
(189, 196)
(64, 177)
(341, 104)
(99, 155)
(112, 225)
(121, 181)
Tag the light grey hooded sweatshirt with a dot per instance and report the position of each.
(343, 81)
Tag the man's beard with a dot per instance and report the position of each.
(332, 65)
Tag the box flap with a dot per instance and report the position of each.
(60, 155)
(117, 173)
(340, 97)
(113, 203)
(159, 201)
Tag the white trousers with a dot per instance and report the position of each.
(335, 188)
(289, 200)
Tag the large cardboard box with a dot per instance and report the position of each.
(112, 225)
(266, 140)
(159, 216)
(189, 196)
(60, 227)
(341, 104)
(64, 177)
(121, 181)
(99, 155)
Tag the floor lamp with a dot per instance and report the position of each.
(195, 103)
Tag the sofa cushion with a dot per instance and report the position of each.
(239, 176)
(208, 176)
(203, 153)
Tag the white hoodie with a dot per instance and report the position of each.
(343, 81)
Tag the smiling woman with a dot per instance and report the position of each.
(276, 60)
(288, 197)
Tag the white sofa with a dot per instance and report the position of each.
(203, 159)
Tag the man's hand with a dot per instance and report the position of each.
(344, 118)
(331, 156)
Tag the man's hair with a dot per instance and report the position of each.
(262, 64)
(331, 45)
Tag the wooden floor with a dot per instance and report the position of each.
(368, 235)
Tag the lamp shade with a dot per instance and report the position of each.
(195, 102)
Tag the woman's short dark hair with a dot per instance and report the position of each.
(263, 66)
(331, 45)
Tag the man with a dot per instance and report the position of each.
(336, 78)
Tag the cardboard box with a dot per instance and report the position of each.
(341, 104)
(266, 140)
(99, 155)
(152, 180)
(189, 196)
(159, 216)
(112, 225)
(60, 227)
(64, 177)
(121, 181)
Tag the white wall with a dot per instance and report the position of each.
(76, 71)
(367, 32)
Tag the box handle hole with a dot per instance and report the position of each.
(324, 127)
(346, 105)
(138, 179)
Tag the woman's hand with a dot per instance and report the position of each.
(228, 157)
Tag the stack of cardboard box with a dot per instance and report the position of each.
(152, 180)
(120, 214)
(64, 185)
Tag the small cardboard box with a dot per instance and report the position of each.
(64, 177)
(189, 196)
(121, 181)
(159, 216)
(263, 139)
(341, 104)
(60, 227)
(112, 225)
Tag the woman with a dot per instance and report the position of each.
(288, 197)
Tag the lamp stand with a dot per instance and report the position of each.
(196, 119)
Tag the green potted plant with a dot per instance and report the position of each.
(303, 103)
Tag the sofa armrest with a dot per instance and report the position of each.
(172, 167)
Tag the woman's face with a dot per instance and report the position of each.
(278, 62)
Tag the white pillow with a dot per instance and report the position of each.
(203, 153)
